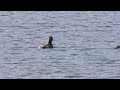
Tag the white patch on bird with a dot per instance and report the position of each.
(41, 45)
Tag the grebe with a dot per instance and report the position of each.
(117, 47)
(49, 45)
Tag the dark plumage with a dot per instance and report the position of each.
(117, 47)
(49, 45)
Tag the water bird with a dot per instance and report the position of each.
(49, 44)
(117, 47)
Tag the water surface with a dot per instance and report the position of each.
(83, 44)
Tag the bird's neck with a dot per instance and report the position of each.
(50, 42)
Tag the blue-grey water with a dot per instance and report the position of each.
(84, 44)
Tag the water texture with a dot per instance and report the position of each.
(83, 44)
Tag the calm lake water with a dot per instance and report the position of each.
(83, 44)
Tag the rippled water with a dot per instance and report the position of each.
(83, 44)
